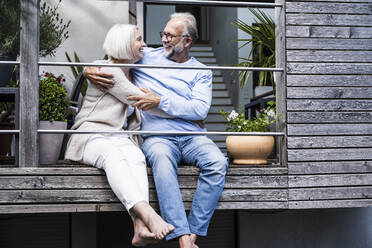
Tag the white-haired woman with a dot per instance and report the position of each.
(118, 154)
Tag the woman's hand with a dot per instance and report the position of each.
(100, 79)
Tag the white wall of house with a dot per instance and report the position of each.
(90, 21)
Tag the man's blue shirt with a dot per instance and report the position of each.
(185, 94)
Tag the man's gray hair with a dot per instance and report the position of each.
(190, 27)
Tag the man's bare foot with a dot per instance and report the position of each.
(142, 235)
(152, 220)
(193, 237)
(185, 242)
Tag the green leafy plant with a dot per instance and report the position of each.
(261, 123)
(76, 70)
(53, 29)
(53, 100)
(9, 29)
(263, 41)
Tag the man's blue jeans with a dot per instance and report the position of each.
(164, 153)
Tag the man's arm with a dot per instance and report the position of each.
(123, 88)
(100, 79)
(195, 108)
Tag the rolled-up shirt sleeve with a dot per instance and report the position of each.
(195, 107)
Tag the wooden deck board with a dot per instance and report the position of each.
(72, 187)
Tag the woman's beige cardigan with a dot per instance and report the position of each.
(105, 111)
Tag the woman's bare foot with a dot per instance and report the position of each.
(152, 220)
(142, 235)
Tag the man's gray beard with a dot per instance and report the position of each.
(177, 49)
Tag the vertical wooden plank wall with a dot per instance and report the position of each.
(329, 103)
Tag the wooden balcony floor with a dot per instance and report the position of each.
(81, 188)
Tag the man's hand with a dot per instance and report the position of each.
(145, 102)
(101, 79)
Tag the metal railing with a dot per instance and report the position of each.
(215, 3)
(231, 68)
(165, 132)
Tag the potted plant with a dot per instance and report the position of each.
(250, 149)
(53, 107)
(53, 31)
(262, 38)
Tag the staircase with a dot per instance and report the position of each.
(221, 98)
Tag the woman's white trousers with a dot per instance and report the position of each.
(124, 164)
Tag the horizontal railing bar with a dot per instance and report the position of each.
(163, 132)
(236, 68)
(233, 68)
(214, 3)
(9, 131)
(10, 62)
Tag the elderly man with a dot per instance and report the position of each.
(186, 95)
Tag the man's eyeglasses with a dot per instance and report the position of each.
(170, 37)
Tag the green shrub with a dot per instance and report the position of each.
(53, 100)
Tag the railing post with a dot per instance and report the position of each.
(29, 84)
(280, 79)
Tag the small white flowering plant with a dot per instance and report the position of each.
(260, 123)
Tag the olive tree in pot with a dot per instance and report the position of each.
(53, 31)
(53, 108)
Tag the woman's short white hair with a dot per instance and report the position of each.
(190, 27)
(118, 41)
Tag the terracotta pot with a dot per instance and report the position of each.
(250, 149)
(50, 144)
(6, 139)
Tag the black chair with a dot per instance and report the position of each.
(74, 100)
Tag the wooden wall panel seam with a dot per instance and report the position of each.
(328, 8)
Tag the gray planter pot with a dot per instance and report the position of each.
(50, 144)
